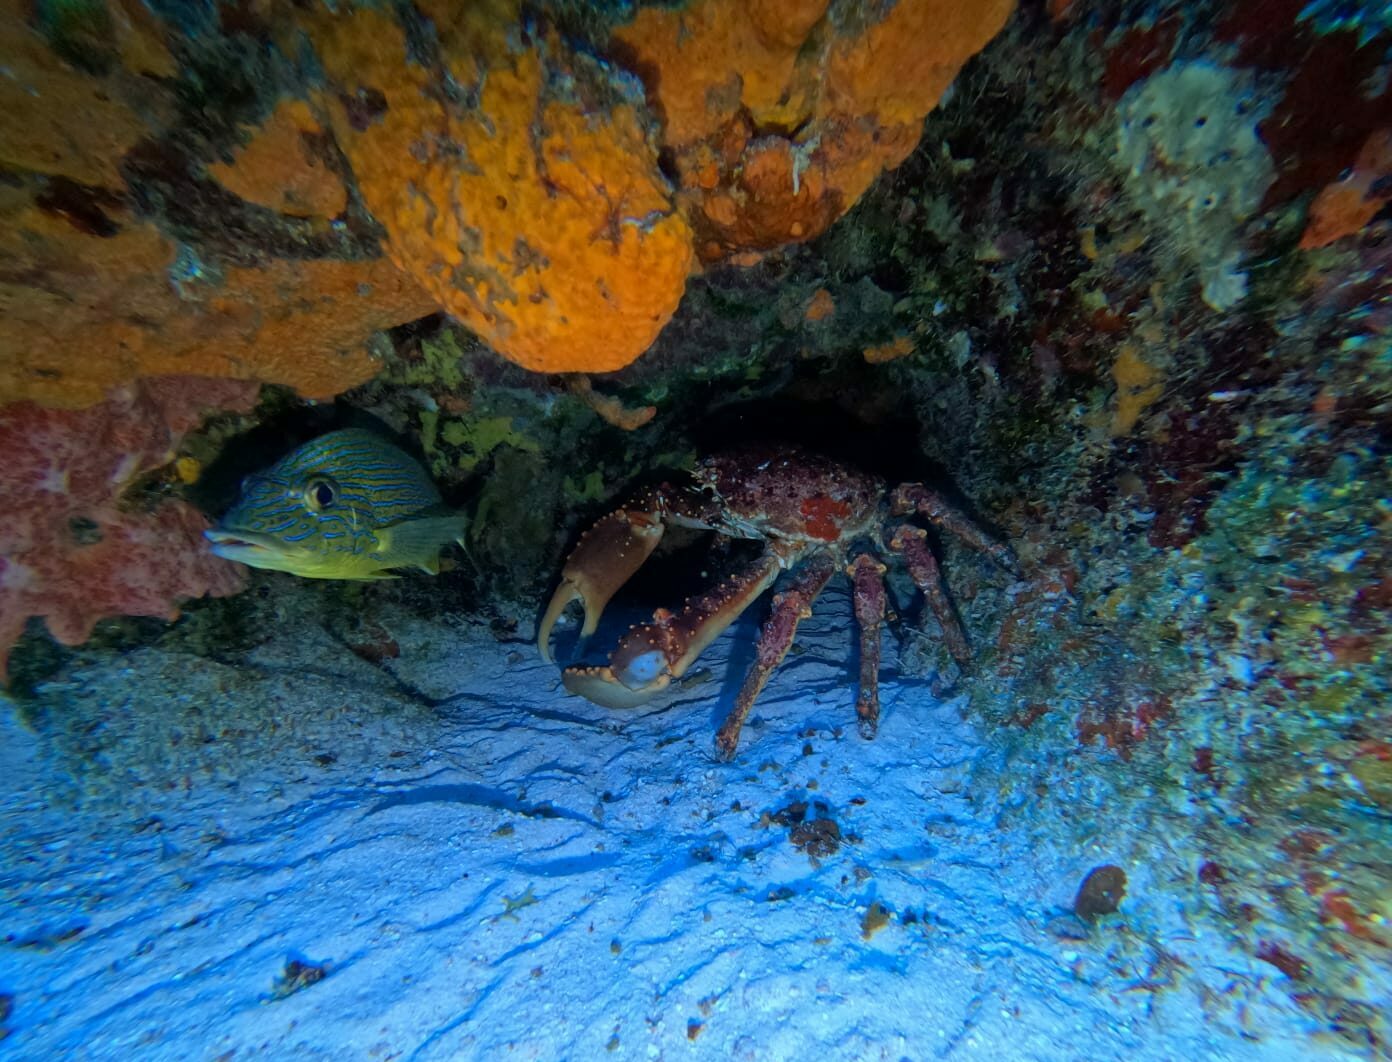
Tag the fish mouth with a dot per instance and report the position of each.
(248, 547)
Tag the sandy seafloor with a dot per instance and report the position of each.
(163, 865)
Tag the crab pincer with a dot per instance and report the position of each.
(604, 559)
(651, 655)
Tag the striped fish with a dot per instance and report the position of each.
(348, 505)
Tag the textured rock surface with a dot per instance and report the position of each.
(1193, 664)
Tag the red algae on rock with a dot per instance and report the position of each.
(72, 549)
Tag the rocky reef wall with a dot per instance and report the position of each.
(1123, 289)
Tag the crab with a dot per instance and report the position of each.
(815, 516)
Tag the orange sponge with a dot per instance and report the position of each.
(279, 166)
(532, 209)
(86, 312)
(1345, 206)
(781, 113)
(95, 296)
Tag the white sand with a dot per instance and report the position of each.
(668, 922)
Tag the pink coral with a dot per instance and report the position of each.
(70, 550)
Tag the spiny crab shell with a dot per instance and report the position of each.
(788, 495)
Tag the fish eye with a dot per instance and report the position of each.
(319, 493)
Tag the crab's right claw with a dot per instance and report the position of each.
(603, 687)
(605, 558)
(645, 661)
(651, 655)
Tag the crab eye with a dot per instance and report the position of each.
(320, 493)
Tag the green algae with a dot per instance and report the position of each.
(438, 364)
(590, 488)
(478, 438)
(463, 442)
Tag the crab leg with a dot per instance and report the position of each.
(789, 608)
(604, 559)
(868, 595)
(651, 655)
(927, 576)
(916, 498)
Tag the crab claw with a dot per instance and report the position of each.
(651, 655)
(641, 666)
(605, 558)
(600, 686)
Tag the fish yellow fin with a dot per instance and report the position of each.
(417, 543)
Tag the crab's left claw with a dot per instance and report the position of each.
(605, 558)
